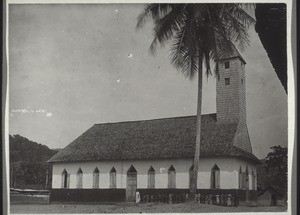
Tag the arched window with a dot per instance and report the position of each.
(79, 178)
(151, 177)
(171, 177)
(240, 178)
(113, 178)
(253, 180)
(96, 178)
(215, 177)
(65, 179)
(191, 176)
(246, 178)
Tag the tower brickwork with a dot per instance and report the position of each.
(231, 98)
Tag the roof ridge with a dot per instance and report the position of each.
(143, 120)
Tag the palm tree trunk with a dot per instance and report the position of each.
(198, 134)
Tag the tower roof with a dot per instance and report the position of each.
(230, 52)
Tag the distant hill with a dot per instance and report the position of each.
(28, 163)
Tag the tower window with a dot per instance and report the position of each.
(242, 81)
(226, 65)
(227, 81)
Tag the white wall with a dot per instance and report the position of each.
(229, 168)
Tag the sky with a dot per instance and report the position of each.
(72, 66)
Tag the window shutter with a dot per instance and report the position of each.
(217, 176)
(247, 182)
(111, 180)
(151, 179)
(243, 180)
(174, 179)
(68, 180)
(62, 180)
(240, 180)
(77, 180)
(80, 180)
(96, 180)
(212, 179)
(190, 179)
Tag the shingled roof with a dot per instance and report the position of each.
(153, 139)
(229, 52)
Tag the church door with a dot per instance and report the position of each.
(131, 184)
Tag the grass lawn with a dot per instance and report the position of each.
(136, 208)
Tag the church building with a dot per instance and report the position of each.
(112, 161)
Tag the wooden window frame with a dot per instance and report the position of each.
(190, 176)
(151, 178)
(215, 177)
(171, 177)
(79, 181)
(96, 178)
(113, 178)
(227, 81)
(65, 180)
(240, 178)
(226, 64)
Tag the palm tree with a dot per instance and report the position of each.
(200, 33)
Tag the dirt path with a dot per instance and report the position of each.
(136, 208)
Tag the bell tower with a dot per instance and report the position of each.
(231, 96)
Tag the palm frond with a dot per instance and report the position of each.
(237, 30)
(166, 26)
(241, 15)
(198, 31)
(155, 11)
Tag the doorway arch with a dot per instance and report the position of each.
(131, 183)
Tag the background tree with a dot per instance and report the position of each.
(273, 170)
(28, 163)
(276, 161)
(200, 34)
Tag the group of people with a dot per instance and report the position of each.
(204, 198)
(222, 199)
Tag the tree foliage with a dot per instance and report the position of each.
(274, 172)
(28, 163)
(276, 160)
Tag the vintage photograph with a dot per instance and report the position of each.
(148, 108)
